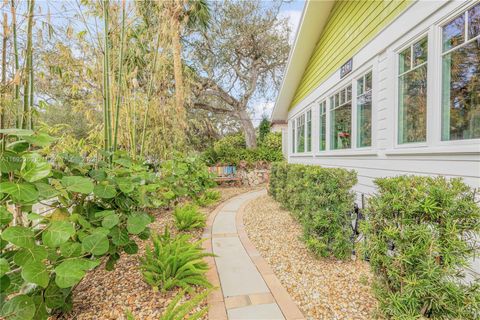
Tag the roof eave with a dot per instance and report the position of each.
(314, 18)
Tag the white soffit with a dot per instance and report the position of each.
(314, 18)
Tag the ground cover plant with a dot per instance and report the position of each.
(188, 217)
(208, 198)
(421, 233)
(174, 262)
(322, 200)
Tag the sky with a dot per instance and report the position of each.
(293, 11)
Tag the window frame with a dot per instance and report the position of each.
(428, 123)
(333, 95)
(372, 133)
(317, 132)
(439, 53)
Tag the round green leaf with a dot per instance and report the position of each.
(26, 255)
(77, 184)
(19, 236)
(34, 167)
(20, 192)
(119, 236)
(57, 233)
(4, 266)
(137, 222)
(35, 272)
(131, 248)
(110, 221)
(20, 307)
(39, 139)
(105, 191)
(10, 161)
(46, 191)
(71, 249)
(96, 243)
(4, 283)
(17, 132)
(125, 184)
(68, 273)
(98, 175)
(55, 296)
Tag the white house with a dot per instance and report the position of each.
(385, 88)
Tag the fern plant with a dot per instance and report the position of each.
(187, 217)
(208, 198)
(179, 311)
(174, 262)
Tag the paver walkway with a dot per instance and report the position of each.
(249, 289)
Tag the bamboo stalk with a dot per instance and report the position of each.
(4, 74)
(119, 85)
(17, 63)
(26, 88)
(149, 94)
(106, 82)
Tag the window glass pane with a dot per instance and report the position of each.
(301, 134)
(341, 127)
(293, 136)
(420, 50)
(368, 81)
(461, 93)
(323, 132)
(474, 22)
(337, 100)
(364, 120)
(453, 33)
(349, 93)
(413, 106)
(342, 97)
(309, 131)
(360, 86)
(405, 59)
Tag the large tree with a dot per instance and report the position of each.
(239, 58)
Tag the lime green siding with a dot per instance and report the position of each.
(350, 26)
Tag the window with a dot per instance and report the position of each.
(461, 76)
(301, 133)
(364, 111)
(309, 130)
(293, 136)
(341, 119)
(322, 125)
(412, 79)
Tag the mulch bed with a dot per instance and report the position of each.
(322, 288)
(106, 294)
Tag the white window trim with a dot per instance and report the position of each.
(411, 42)
(438, 35)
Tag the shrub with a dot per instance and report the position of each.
(187, 217)
(420, 234)
(232, 150)
(174, 262)
(321, 198)
(209, 197)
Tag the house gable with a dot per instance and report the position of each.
(350, 26)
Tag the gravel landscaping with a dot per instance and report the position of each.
(110, 294)
(323, 288)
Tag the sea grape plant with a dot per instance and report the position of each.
(92, 212)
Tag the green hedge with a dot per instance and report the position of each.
(420, 234)
(321, 198)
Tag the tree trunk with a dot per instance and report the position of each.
(177, 68)
(248, 129)
(4, 73)
(26, 86)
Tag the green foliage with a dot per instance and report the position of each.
(187, 217)
(208, 198)
(174, 262)
(263, 129)
(232, 150)
(96, 211)
(420, 235)
(184, 177)
(179, 311)
(321, 198)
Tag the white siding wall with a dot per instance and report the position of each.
(386, 158)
